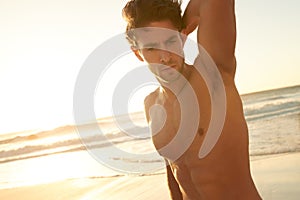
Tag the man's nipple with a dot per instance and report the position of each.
(200, 131)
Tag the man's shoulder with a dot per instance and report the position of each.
(151, 98)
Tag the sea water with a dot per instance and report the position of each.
(33, 157)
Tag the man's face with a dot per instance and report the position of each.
(161, 46)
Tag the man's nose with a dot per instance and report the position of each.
(165, 56)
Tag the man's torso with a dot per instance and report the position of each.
(224, 173)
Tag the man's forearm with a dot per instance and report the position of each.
(173, 185)
(216, 29)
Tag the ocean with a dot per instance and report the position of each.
(35, 156)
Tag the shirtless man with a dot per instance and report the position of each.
(224, 173)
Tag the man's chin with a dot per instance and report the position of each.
(168, 79)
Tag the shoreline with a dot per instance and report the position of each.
(276, 177)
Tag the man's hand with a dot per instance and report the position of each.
(191, 16)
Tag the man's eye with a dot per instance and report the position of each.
(171, 42)
(150, 49)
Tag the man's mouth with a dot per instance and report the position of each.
(168, 68)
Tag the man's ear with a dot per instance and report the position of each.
(183, 36)
(137, 53)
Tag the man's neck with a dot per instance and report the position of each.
(172, 89)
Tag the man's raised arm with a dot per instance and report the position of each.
(216, 29)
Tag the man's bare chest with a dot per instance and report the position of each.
(176, 126)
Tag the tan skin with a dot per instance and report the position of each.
(225, 172)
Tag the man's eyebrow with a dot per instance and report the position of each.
(172, 38)
(153, 44)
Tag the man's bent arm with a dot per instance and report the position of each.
(173, 185)
(216, 29)
(175, 192)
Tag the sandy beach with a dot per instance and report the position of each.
(277, 177)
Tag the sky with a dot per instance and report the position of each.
(44, 44)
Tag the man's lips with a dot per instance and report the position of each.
(172, 67)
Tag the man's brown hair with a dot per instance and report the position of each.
(138, 13)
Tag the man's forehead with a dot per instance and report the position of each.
(154, 35)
